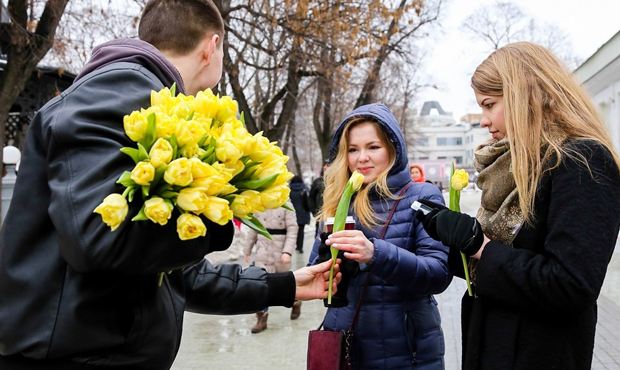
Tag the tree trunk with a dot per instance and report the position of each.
(370, 85)
(25, 50)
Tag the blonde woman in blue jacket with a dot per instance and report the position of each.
(399, 324)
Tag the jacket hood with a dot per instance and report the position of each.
(382, 114)
(134, 51)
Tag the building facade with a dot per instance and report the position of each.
(600, 75)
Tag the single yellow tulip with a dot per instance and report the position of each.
(113, 210)
(158, 210)
(190, 227)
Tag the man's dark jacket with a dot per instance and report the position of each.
(71, 289)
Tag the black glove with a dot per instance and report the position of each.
(348, 269)
(454, 229)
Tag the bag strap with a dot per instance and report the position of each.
(383, 231)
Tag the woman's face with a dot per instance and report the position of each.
(367, 153)
(492, 114)
(415, 173)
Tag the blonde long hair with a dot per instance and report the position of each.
(338, 173)
(543, 107)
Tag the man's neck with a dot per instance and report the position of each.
(186, 66)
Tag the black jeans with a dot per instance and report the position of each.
(300, 237)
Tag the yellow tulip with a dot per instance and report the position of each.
(190, 150)
(212, 185)
(241, 206)
(113, 210)
(190, 227)
(275, 196)
(206, 104)
(158, 210)
(227, 151)
(143, 173)
(234, 168)
(135, 125)
(179, 172)
(193, 200)
(256, 202)
(218, 211)
(162, 99)
(165, 126)
(160, 153)
(459, 180)
(182, 107)
(201, 169)
(356, 180)
(226, 190)
(189, 132)
(227, 109)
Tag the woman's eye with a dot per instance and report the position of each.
(490, 105)
(352, 150)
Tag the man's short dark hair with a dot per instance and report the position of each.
(179, 25)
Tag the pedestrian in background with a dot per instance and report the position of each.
(273, 255)
(548, 221)
(315, 198)
(299, 198)
(399, 324)
(417, 173)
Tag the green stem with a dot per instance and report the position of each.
(455, 205)
(339, 222)
(464, 259)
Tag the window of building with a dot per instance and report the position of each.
(445, 141)
(420, 141)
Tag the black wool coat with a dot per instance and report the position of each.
(535, 304)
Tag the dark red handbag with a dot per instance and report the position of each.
(329, 349)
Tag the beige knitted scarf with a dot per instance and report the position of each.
(499, 213)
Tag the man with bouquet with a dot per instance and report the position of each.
(76, 295)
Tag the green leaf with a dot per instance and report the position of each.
(203, 140)
(159, 173)
(208, 152)
(132, 152)
(173, 89)
(242, 118)
(131, 194)
(149, 137)
(257, 185)
(141, 216)
(287, 207)
(175, 146)
(145, 191)
(168, 194)
(190, 116)
(143, 154)
(254, 224)
(125, 180)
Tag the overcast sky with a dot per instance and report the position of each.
(454, 56)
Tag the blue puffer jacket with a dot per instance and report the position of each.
(399, 324)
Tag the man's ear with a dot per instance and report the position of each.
(210, 46)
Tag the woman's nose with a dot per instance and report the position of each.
(485, 122)
(363, 155)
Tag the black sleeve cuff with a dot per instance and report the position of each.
(221, 236)
(281, 289)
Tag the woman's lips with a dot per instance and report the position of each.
(364, 170)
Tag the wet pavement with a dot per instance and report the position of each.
(225, 342)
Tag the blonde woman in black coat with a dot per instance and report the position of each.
(548, 221)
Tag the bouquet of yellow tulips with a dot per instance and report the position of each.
(194, 154)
